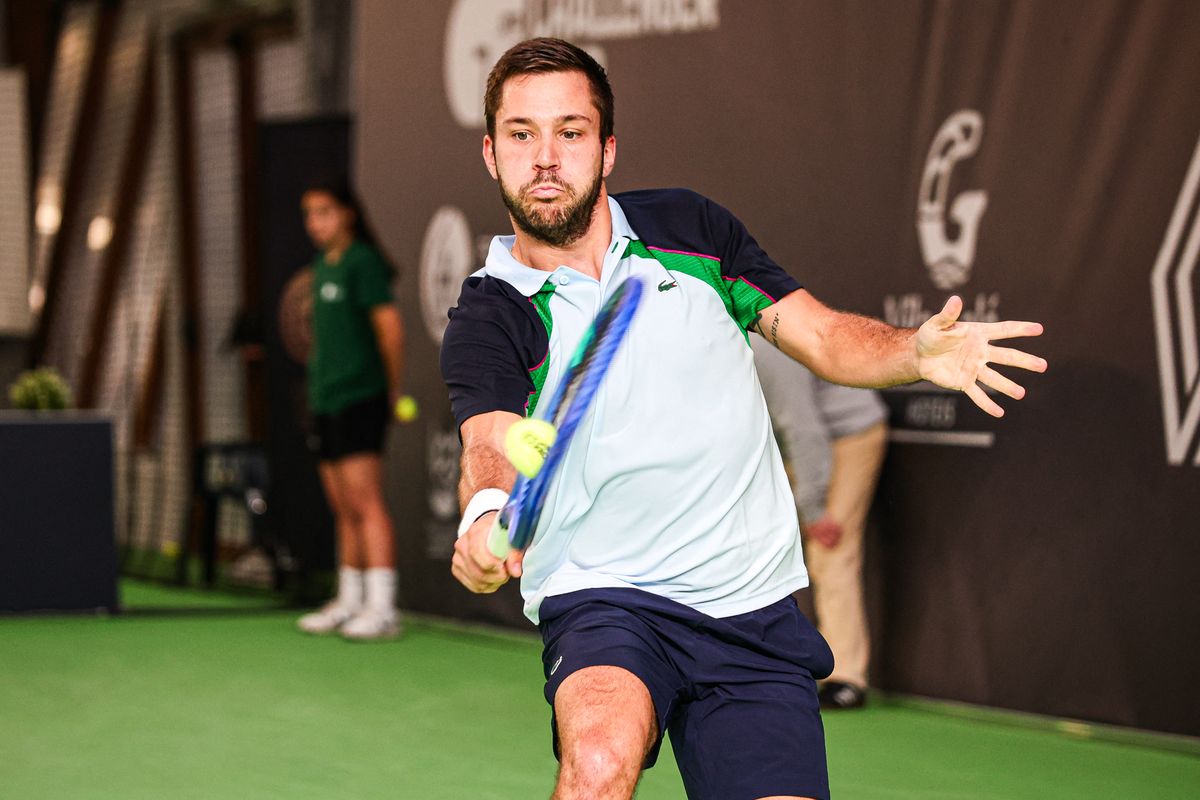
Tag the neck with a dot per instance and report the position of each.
(585, 255)
(336, 248)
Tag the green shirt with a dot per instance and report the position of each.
(345, 366)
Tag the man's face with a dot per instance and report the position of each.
(547, 155)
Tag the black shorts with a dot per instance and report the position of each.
(737, 694)
(357, 428)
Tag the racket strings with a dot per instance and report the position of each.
(574, 401)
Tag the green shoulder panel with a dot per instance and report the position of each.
(742, 301)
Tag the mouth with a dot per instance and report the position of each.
(545, 191)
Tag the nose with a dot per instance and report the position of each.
(546, 157)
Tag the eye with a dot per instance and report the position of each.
(571, 135)
(521, 136)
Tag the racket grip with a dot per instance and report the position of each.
(498, 539)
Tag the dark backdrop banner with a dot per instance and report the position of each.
(1040, 159)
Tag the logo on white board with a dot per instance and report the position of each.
(479, 31)
(1173, 289)
(447, 259)
(949, 259)
(948, 227)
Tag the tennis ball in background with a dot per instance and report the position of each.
(526, 444)
(406, 408)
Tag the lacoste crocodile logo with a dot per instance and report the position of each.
(667, 286)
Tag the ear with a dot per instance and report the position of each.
(609, 157)
(489, 156)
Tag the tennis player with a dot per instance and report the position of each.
(662, 569)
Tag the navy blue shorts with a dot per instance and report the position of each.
(738, 694)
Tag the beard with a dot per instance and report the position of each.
(555, 225)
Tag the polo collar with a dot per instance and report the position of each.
(527, 280)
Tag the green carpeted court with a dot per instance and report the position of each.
(199, 695)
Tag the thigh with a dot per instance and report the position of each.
(605, 708)
(359, 478)
(593, 635)
(330, 482)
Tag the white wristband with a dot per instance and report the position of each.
(484, 501)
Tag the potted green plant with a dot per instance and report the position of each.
(41, 389)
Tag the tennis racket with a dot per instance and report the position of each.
(515, 524)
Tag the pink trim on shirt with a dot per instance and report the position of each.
(684, 253)
(751, 285)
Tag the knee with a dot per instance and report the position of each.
(600, 760)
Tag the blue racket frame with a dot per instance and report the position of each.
(578, 388)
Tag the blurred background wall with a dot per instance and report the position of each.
(1030, 156)
(1040, 159)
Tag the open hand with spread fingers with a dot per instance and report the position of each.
(957, 355)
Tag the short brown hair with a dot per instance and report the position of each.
(548, 55)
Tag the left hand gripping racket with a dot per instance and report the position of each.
(572, 399)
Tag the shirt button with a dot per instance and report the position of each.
(563, 280)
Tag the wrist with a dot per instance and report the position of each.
(915, 361)
(485, 501)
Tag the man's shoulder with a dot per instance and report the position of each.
(641, 203)
(363, 255)
(678, 219)
(484, 288)
(487, 298)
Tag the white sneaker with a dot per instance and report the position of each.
(372, 623)
(327, 619)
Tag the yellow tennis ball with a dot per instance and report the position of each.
(526, 444)
(406, 408)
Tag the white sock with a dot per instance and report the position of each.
(381, 588)
(350, 587)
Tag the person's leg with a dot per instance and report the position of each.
(612, 684)
(606, 727)
(752, 725)
(360, 481)
(837, 572)
(350, 586)
(349, 542)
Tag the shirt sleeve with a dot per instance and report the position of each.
(755, 281)
(372, 280)
(846, 410)
(490, 345)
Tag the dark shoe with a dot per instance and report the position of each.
(835, 695)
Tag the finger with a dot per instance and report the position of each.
(474, 569)
(980, 398)
(465, 571)
(487, 566)
(514, 563)
(1012, 329)
(989, 377)
(950, 312)
(476, 584)
(1009, 357)
(460, 575)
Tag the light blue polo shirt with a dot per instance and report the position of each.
(673, 483)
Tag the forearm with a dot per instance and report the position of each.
(389, 337)
(845, 348)
(483, 467)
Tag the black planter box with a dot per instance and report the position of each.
(57, 543)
